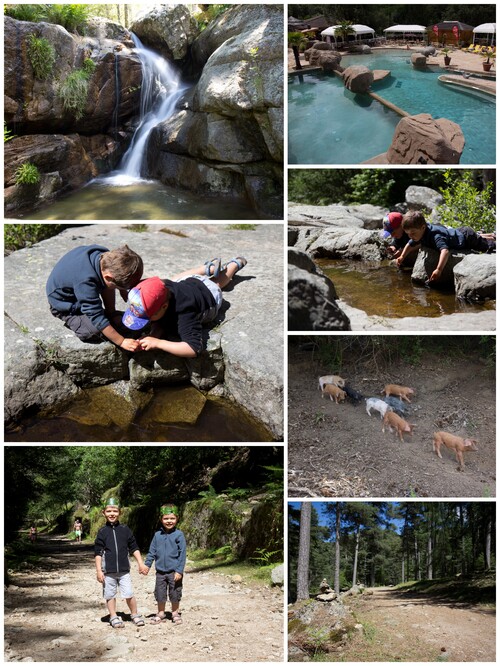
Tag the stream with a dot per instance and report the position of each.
(381, 289)
(179, 414)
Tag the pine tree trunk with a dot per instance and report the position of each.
(304, 547)
(337, 551)
(355, 566)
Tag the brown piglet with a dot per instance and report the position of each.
(454, 443)
(334, 392)
(400, 425)
(400, 391)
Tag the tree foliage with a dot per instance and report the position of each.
(379, 16)
(42, 483)
(465, 204)
(394, 542)
(381, 187)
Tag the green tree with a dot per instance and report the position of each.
(465, 204)
(296, 41)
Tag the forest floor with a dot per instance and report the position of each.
(54, 611)
(416, 627)
(340, 451)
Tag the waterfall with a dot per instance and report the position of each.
(161, 88)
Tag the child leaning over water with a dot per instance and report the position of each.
(443, 239)
(179, 307)
(81, 291)
(113, 545)
(168, 552)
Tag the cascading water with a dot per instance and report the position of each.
(160, 89)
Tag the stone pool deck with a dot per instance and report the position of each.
(45, 363)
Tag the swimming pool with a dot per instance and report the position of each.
(327, 124)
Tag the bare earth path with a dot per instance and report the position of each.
(411, 627)
(54, 611)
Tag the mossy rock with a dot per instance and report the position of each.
(178, 406)
(116, 403)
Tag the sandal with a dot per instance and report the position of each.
(176, 618)
(216, 265)
(240, 262)
(156, 619)
(116, 622)
(137, 619)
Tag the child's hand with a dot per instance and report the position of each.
(144, 570)
(100, 576)
(130, 345)
(435, 275)
(148, 343)
(177, 576)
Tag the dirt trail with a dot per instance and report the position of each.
(54, 611)
(411, 627)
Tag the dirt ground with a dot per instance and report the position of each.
(54, 612)
(409, 627)
(340, 451)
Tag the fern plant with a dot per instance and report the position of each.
(27, 174)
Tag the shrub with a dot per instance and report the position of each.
(17, 236)
(464, 204)
(7, 133)
(42, 56)
(30, 13)
(71, 17)
(88, 67)
(27, 174)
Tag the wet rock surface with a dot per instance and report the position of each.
(46, 365)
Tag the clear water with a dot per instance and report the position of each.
(382, 289)
(220, 421)
(139, 200)
(356, 128)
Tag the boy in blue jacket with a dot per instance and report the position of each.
(168, 551)
(81, 291)
(113, 545)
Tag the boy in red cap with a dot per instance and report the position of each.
(178, 308)
(393, 230)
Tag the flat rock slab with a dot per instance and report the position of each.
(249, 332)
(380, 74)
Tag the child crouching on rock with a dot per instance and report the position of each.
(81, 291)
(113, 545)
(443, 239)
(168, 552)
(179, 307)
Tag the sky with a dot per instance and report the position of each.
(324, 518)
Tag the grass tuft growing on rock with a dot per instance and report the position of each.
(74, 89)
(42, 56)
(27, 174)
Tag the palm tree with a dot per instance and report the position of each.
(295, 41)
(344, 29)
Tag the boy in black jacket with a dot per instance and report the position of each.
(113, 545)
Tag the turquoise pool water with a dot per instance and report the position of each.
(329, 125)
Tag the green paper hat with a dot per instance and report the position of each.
(169, 508)
(111, 502)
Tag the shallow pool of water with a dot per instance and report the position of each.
(388, 292)
(219, 421)
(142, 200)
(329, 125)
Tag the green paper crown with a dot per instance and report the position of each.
(111, 502)
(169, 508)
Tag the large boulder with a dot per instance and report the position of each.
(344, 243)
(331, 215)
(35, 106)
(329, 61)
(167, 29)
(422, 198)
(371, 215)
(475, 278)
(426, 263)
(312, 297)
(421, 139)
(357, 78)
(227, 135)
(418, 60)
